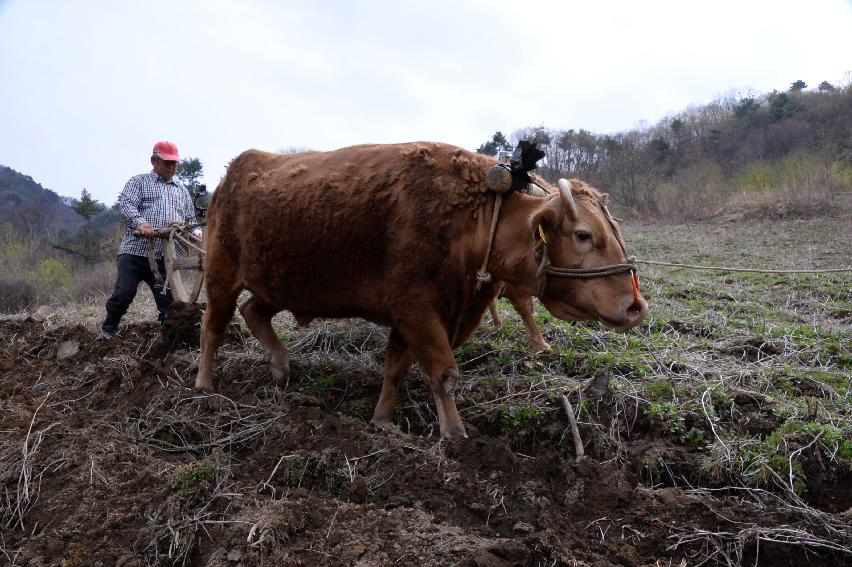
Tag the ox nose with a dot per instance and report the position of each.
(626, 315)
(639, 307)
(636, 312)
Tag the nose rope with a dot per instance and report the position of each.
(634, 279)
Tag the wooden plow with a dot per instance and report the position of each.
(179, 267)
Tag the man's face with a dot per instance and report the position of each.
(163, 168)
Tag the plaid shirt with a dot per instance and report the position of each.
(148, 198)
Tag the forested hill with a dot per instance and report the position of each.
(786, 152)
(28, 206)
(31, 209)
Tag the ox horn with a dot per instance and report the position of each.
(498, 179)
(568, 198)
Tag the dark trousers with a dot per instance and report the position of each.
(133, 269)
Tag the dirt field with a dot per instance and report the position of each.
(724, 437)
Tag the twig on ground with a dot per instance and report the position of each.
(575, 431)
(272, 474)
(331, 524)
(27, 452)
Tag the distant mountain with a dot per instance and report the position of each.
(29, 207)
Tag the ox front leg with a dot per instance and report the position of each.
(258, 316)
(525, 306)
(443, 386)
(211, 340)
(429, 343)
(398, 360)
(220, 308)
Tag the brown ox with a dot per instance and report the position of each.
(395, 234)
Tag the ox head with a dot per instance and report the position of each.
(581, 270)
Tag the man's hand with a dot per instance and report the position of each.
(145, 229)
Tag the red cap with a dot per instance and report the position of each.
(166, 151)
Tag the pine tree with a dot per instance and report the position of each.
(87, 207)
(189, 171)
(497, 146)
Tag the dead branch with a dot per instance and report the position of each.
(27, 452)
(575, 431)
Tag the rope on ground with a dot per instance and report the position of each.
(751, 270)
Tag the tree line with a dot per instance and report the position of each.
(739, 143)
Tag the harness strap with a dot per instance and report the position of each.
(615, 231)
(482, 276)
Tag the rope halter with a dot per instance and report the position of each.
(545, 268)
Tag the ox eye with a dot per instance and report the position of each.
(583, 235)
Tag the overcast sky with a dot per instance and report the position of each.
(88, 87)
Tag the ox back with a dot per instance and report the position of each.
(367, 231)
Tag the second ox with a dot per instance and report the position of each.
(396, 234)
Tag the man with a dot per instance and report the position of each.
(148, 201)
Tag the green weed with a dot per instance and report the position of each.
(521, 419)
(668, 416)
(321, 381)
(189, 479)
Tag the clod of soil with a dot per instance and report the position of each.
(182, 327)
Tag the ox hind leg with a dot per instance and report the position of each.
(428, 342)
(495, 315)
(492, 307)
(398, 359)
(258, 316)
(221, 302)
(525, 307)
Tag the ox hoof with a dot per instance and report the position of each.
(456, 435)
(383, 423)
(280, 374)
(454, 432)
(210, 399)
(538, 347)
(387, 427)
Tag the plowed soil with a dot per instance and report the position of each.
(109, 458)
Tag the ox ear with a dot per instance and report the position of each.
(546, 218)
(567, 198)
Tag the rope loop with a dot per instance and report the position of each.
(483, 277)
